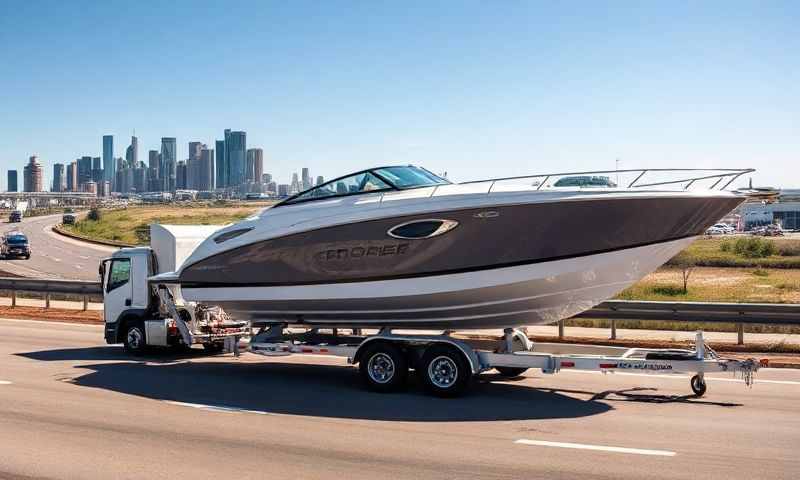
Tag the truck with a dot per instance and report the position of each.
(141, 313)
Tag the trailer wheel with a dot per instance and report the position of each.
(698, 385)
(511, 372)
(135, 339)
(445, 371)
(383, 367)
(213, 347)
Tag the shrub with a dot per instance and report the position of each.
(94, 214)
(726, 246)
(754, 247)
(760, 272)
(789, 248)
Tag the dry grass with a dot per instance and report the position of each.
(131, 225)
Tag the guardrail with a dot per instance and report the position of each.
(47, 287)
(613, 310)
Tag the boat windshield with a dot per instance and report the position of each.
(376, 180)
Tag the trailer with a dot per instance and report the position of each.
(446, 363)
(141, 312)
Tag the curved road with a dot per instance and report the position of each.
(73, 407)
(53, 255)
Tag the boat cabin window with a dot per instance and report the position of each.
(359, 183)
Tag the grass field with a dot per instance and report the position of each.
(131, 225)
(710, 252)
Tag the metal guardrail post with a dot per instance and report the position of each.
(561, 329)
(613, 329)
(740, 333)
(13, 298)
(47, 300)
(85, 302)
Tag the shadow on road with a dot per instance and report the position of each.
(313, 390)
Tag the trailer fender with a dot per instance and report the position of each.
(469, 354)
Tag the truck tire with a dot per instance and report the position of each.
(383, 367)
(135, 340)
(445, 371)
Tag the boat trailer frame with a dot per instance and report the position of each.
(514, 352)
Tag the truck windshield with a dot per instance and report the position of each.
(17, 240)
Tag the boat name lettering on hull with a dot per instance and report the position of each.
(362, 252)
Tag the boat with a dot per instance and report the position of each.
(401, 247)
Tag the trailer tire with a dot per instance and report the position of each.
(698, 385)
(511, 372)
(135, 340)
(383, 367)
(445, 371)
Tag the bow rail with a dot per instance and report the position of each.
(724, 176)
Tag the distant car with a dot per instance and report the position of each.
(725, 227)
(773, 231)
(715, 231)
(15, 244)
(69, 218)
(16, 216)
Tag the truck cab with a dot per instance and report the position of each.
(139, 312)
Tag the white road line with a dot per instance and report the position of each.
(217, 408)
(684, 377)
(603, 448)
(5, 382)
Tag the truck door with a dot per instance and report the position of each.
(117, 288)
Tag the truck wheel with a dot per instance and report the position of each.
(135, 340)
(511, 372)
(445, 371)
(383, 367)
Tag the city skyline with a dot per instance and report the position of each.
(529, 87)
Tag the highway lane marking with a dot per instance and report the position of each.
(684, 377)
(218, 408)
(602, 448)
(5, 382)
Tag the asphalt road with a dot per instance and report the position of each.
(72, 407)
(53, 255)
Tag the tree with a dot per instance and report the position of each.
(94, 214)
(686, 263)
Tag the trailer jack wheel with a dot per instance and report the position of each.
(698, 385)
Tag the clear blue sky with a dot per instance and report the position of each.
(476, 89)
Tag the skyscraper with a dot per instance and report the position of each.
(33, 175)
(295, 186)
(221, 166)
(236, 152)
(84, 171)
(193, 165)
(97, 170)
(306, 179)
(72, 177)
(153, 160)
(108, 158)
(132, 152)
(181, 176)
(12, 181)
(255, 165)
(59, 178)
(206, 178)
(168, 164)
(320, 180)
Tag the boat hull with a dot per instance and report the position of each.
(529, 294)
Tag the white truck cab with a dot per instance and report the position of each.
(140, 313)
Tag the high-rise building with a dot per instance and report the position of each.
(108, 158)
(153, 160)
(306, 177)
(193, 164)
(320, 180)
(72, 177)
(90, 187)
(205, 178)
(104, 189)
(84, 171)
(295, 186)
(12, 181)
(283, 190)
(255, 165)
(140, 178)
(266, 178)
(181, 176)
(236, 153)
(59, 178)
(168, 164)
(132, 152)
(97, 170)
(33, 175)
(221, 166)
